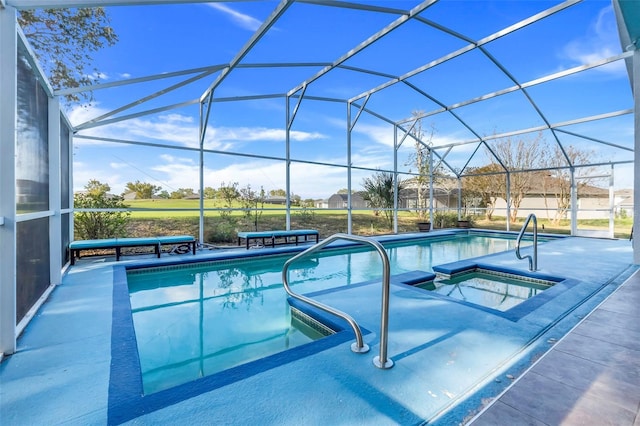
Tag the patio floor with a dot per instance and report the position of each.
(592, 376)
(451, 360)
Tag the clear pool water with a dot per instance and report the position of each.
(195, 320)
(491, 290)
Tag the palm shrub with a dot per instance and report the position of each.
(379, 191)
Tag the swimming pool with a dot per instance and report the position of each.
(196, 320)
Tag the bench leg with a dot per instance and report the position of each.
(117, 253)
(158, 250)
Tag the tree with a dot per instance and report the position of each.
(229, 195)
(379, 191)
(557, 181)
(518, 156)
(420, 161)
(182, 193)
(143, 190)
(482, 186)
(64, 40)
(96, 188)
(90, 225)
(277, 193)
(252, 203)
(209, 193)
(164, 194)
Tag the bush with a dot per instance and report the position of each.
(305, 215)
(445, 220)
(223, 232)
(91, 225)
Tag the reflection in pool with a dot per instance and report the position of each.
(489, 289)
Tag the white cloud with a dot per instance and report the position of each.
(381, 134)
(242, 20)
(119, 165)
(83, 173)
(601, 41)
(172, 159)
(180, 129)
(251, 134)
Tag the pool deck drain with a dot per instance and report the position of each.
(63, 362)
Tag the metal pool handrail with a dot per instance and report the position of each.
(358, 346)
(533, 260)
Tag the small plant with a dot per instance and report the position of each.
(229, 194)
(305, 214)
(253, 204)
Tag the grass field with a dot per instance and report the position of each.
(164, 217)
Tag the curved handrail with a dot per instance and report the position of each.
(533, 260)
(358, 346)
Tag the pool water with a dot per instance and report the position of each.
(491, 290)
(196, 320)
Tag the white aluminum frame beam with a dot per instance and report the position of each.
(55, 201)
(378, 35)
(255, 38)
(92, 122)
(636, 169)
(62, 4)
(8, 108)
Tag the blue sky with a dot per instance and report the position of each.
(163, 39)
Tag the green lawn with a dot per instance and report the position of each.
(184, 220)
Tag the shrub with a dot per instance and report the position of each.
(90, 225)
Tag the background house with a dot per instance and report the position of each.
(339, 201)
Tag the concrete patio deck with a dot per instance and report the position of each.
(451, 360)
(591, 377)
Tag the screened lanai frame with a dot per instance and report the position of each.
(356, 106)
(297, 94)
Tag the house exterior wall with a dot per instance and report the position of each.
(340, 201)
(588, 208)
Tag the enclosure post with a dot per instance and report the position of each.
(395, 179)
(431, 217)
(612, 206)
(201, 177)
(287, 139)
(636, 151)
(349, 218)
(508, 200)
(55, 220)
(459, 198)
(8, 96)
(574, 202)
